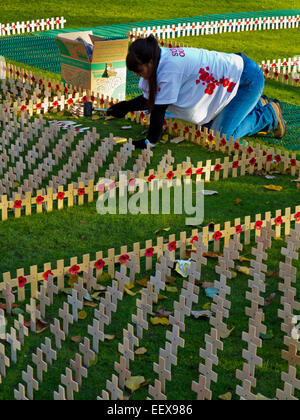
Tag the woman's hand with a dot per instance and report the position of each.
(118, 110)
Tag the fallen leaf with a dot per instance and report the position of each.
(143, 282)
(40, 326)
(170, 279)
(210, 254)
(126, 127)
(209, 192)
(244, 259)
(140, 351)
(67, 291)
(162, 230)
(163, 313)
(211, 291)
(3, 306)
(90, 304)
(130, 285)
(93, 362)
(274, 274)
(268, 336)
(99, 287)
(201, 314)
(95, 295)
(226, 397)
(17, 311)
(159, 320)
(73, 279)
(237, 201)
(227, 333)
(273, 188)
(77, 339)
(243, 270)
(104, 278)
(171, 289)
(206, 284)
(109, 337)
(260, 397)
(129, 292)
(95, 117)
(134, 383)
(161, 297)
(206, 306)
(269, 299)
(82, 315)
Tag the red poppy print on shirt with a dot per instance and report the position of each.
(206, 78)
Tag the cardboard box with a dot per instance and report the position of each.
(104, 73)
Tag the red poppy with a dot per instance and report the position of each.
(38, 106)
(293, 162)
(250, 150)
(236, 146)
(101, 101)
(258, 225)
(218, 167)
(231, 87)
(238, 229)
(195, 238)
(226, 82)
(39, 199)
(47, 273)
(189, 172)
(70, 101)
(149, 252)
(84, 99)
(131, 182)
(49, 85)
(199, 171)
(101, 187)
(81, 191)
(142, 115)
(22, 281)
(55, 104)
(74, 269)
(99, 264)
(92, 98)
(18, 204)
(217, 236)
(23, 108)
(264, 153)
(286, 76)
(266, 71)
(170, 175)
(223, 142)
(112, 186)
(252, 161)
(124, 258)
(111, 103)
(151, 177)
(210, 89)
(165, 122)
(210, 137)
(175, 126)
(278, 221)
(61, 195)
(66, 90)
(40, 82)
(297, 217)
(18, 73)
(276, 74)
(278, 158)
(269, 158)
(57, 87)
(74, 93)
(172, 246)
(186, 129)
(25, 76)
(198, 133)
(235, 164)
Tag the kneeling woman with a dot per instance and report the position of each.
(215, 90)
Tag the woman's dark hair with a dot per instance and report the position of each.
(142, 51)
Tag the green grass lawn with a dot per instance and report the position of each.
(108, 12)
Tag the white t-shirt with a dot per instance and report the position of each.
(197, 83)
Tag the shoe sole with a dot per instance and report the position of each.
(280, 130)
(264, 100)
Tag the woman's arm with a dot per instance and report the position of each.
(120, 109)
(156, 122)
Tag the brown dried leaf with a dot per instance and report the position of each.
(143, 282)
(269, 299)
(170, 279)
(77, 339)
(206, 284)
(141, 351)
(163, 313)
(210, 254)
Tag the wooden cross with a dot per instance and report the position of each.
(259, 282)
(70, 384)
(152, 296)
(162, 372)
(155, 391)
(252, 358)
(66, 317)
(259, 253)
(58, 333)
(221, 304)
(88, 354)
(90, 280)
(41, 366)
(287, 271)
(291, 378)
(193, 273)
(34, 314)
(126, 351)
(60, 395)
(109, 305)
(182, 307)
(203, 393)
(20, 394)
(144, 305)
(81, 290)
(214, 340)
(15, 345)
(44, 301)
(104, 396)
(190, 294)
(244, 392)
(75, 303)
(157, 282)
(9, 298)
(175, 339)
(140, 322)
(133, 267)
(222, 286)
(217, 322)
(264, 239)
(121, 369)
(115, 293)
(207, 371)
(291, 355)
(132, 339)
(197, 256)
(101, 316)
(96, 333)
(209, 354)
(80, 371)
(113, 387)
(252, 337)
(166, 354)
(122, 278)
(48, 351)
(286, 394)
(164, 270)
(246, 374)
(32, 384)
(19, 326)
(4, 361)
(287, 317)
(177, 320)
(257, 323)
